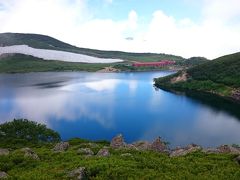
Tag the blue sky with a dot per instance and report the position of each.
(118, 9)
(209, 28)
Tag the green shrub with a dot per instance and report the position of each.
(20, 132)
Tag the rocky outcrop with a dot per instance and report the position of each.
(85, 151)
(79, 173)
(159, 146)
(109, 69)
(3, 175)
(184, 151)
(104, 152)
(142, 145)
(236, 94)
(29, 153)
(228, 149)
(211, 151)
(4, 152)
(180, 78)
(118, 142)
(60, 147)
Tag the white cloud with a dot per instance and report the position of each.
(132, 20)
(216, 34)
(108, 1)
(221, 10)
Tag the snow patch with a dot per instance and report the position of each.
(54, 55)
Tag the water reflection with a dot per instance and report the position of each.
(98, 106)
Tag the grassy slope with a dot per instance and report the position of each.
(22, 63)
(46, 42)
(142, 164)
(220, 76)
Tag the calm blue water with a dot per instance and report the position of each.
(99, 106)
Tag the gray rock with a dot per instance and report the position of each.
(142, 145)
(237, 159)
(85, 151)
(103, 152)
(92, 145)
(126, 155)
(60, 147)
(30, 153)
(184, 151)
(3, 175)
(130, 146)
(211, 151)
(228, 149)
(4, 152)
(158, 145)
(79, 173)
(118, 142)
(178, 152)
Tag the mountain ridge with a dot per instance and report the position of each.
(220, 76)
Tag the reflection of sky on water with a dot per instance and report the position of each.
(98, 106)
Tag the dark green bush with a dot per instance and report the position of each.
(24, 132)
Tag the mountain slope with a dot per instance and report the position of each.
(46, 42)
(220, 76)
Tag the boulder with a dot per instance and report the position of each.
(29, 153)
(211, 151)
(238, 159)
(118, 142)
(85, 151)
(228, 149)
(158, 145)
(104, 152)
(4, 152)
(3, 175)
(184, 151)
(60, 147)
(142, 145)
(126, 155)
(193, 147)
(79, 173)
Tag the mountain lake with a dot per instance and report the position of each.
(98, 106)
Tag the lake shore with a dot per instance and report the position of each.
(79, 159)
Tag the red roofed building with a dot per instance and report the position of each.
(154, 64)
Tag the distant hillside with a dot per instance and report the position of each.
(220, 76)
(46, 42)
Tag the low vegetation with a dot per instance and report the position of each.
(137, 165)
(22, 132)
(220, 76)
(19, 63)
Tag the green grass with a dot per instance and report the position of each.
(142, 165)
(22, 63)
